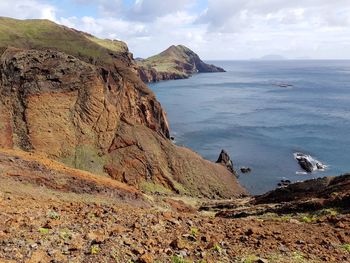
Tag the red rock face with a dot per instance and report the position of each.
(104, 120)
(5, 128)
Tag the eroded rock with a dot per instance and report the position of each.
(225, 160)
(308, 163)
(99, 119)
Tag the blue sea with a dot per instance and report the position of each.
(261, 124)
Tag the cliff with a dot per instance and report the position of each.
(176, 62)
(77, 99)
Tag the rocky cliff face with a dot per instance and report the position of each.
(177, 62)
(100, 119)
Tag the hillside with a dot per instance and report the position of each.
(45, 34)
(176, 62)
(78, 100)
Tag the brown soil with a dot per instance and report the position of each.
(73, 222)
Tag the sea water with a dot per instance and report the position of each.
(261, 113)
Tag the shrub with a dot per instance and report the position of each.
(94, 249)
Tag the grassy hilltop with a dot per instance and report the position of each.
(176, 62)
(42, 34)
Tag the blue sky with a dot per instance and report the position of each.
(215, 29)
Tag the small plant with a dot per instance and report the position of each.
(286, 218)
(53, 215)
(308, 219)
(43, 230)
(94, 249)
(250, 259)
(178, 259)
(65, 234)
(327, 212)
(346, 247)
(194, 231)
(297, 256)
(217, 248)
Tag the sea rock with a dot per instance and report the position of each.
(225, 160)
(308, 163)
(245, 170)
(284, 183)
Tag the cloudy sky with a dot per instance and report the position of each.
(215, 29)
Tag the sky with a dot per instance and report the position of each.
(215, 29)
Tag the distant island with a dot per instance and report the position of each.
(272, 57)
(176, 62)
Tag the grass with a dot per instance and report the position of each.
(43, 230)
(308, 219)
(41, 34)
(327, 212)
(298, 257)
(168, 60)
(114, 45)
(313, 217)
(346, 247)
(178, 259)
(150, 187)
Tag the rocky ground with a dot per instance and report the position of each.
(46, 223)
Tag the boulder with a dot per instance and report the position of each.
(245, 170)
(308, 163)
(226, 161)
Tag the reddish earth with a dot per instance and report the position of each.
(52, 213)
(103, 120)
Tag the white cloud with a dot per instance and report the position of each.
(149, 10)
(27, 9)
(227, 29)
(106, 27)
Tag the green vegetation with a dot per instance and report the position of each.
(298, 257)
(326, 212)
(250, 259)
(44, 231)
(308, 219)
(86, 158)
(65, 234)
(114, 45)
(314, 216)
(53, 215)
(346, 247)
(168, 60)
(94, 249)
(40, 34)
(194, 231)
(217, 248)
(178, 259)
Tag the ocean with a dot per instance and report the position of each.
(260, 121)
